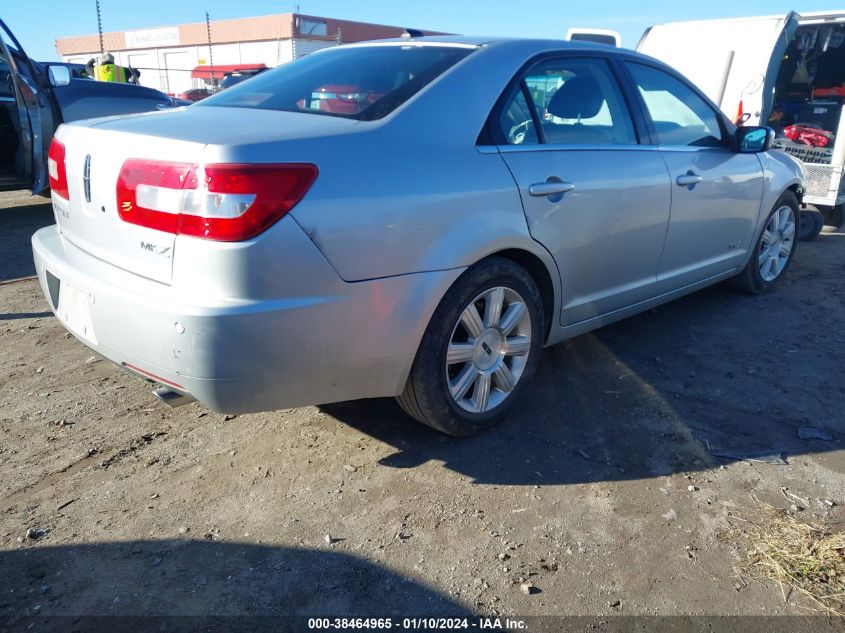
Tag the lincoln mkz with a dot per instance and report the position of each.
(414, 218)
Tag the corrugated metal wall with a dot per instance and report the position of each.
(302, 47)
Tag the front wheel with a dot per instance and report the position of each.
(775, 248)
(479, 352)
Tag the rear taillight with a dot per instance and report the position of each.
(56, 168)
(223, 202)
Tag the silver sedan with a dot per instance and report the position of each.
(414, 218)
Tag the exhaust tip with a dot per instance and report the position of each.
(172, 398)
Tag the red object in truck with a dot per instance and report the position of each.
(808, 135)
(838, 91)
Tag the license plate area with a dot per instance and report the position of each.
(73, 307)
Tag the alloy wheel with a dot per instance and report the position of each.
(777, 243)
(488, 350)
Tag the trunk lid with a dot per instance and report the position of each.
(219, 125)
(89, 219)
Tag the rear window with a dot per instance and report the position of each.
(356, 82)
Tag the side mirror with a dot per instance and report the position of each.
(59, 75)
(750, 140)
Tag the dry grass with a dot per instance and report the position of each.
(800, 556)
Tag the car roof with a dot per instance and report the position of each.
(530, 47)
(499, 41)
(520, 46)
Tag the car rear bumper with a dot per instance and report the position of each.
(340, 341)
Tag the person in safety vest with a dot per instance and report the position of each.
(107, 71)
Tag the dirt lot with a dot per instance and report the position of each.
(609, 490)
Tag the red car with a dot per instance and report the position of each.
(342, 99)
(195, 94)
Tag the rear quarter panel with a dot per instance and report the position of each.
(395, 211)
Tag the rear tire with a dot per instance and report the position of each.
(835, 216)
(479, 352)
(774, 250)
(812, 223)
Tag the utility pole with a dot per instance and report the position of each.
(210, 54)
(100, 28)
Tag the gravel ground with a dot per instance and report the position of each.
(607, 490)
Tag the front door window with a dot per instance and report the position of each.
(680, 116)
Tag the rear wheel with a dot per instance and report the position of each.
(812, 223)
(479, 352)
(774, 250)
(835, 216)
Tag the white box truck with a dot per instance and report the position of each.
(785, 71)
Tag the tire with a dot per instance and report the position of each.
(758, 277)
(835, 216)
(812, 223)
(445, 396)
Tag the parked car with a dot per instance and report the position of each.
(341, 99)
(193, 95)
(787, 71)
(256, 251)
(35, 98)
(598, 36)
(234, 77)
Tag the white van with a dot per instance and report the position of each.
(785, 71)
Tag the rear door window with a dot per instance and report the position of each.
(575, 101)
(356, 82)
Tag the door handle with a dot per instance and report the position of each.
(550, 188)
(688, 179)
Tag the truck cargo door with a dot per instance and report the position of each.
(735, 62)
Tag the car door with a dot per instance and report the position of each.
(716, 192)
(593, 196)
(33, 112)
(15, 133)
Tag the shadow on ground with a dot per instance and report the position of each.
(201, 579)
(709, 379)
(13, 316)
(16, 228)
(182, 586)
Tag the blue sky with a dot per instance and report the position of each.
(37, 23)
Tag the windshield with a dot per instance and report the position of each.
(356, 82)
